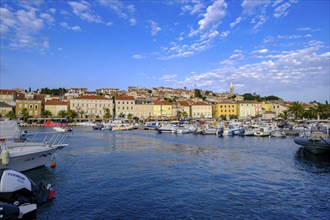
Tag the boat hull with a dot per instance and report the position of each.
(33, 156)
(319, 146)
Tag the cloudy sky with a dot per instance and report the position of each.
(268, 47)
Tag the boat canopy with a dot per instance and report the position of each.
(9, 129)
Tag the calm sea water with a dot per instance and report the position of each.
(145, 175)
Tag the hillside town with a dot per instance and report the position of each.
(139, 103)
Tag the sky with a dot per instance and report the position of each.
(267, 47)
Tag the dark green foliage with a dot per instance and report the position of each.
(55, 92)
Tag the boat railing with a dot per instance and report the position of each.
(49, 138)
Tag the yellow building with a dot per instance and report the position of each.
(201, 110)
(267, 107)
(91, 105)
(56, 105)
(225, 109)
(162, 109)
(33, 103)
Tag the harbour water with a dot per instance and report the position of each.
(145, 175)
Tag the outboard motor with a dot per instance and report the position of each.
(15, 187)
(17, 190)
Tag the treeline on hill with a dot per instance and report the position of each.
(56, 92)
(254, 96)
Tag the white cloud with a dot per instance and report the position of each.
(193, 7)
(22, 28)
(237, 21)
(83, 10)
(251, 6)
(168, 78)
(262, 51)
(154, 28)
(285, 71)
(73, 28)
(202, 38)
(282, 10)
(138, 56)
(214, 14)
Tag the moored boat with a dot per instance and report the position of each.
(25, 154)
(317, 140)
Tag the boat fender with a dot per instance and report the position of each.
(5, 157)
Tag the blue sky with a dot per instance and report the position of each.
(278, 47)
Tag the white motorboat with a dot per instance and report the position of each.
(262, 132)
(62, 129)
(23, 154)
(278, 133)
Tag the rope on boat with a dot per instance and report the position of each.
(324, 141)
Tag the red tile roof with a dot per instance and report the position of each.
(200, 103)
(6, 91)
(183, 103)
(162, 102)
(56, 102)
(125, 98)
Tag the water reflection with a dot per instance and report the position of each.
(307, 159)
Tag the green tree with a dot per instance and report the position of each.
(62, 114)
(322, 110)
(122, 115)
(284, 115)
(297, 109)
(197, 93)
(11, 115)
(107, 113)
(184, 115)
(271, 97)
(130, 116)
(25, 115)
(72, 114)
(46, 113)
(310, 113)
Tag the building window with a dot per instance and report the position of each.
(30, 106)
(36, 106)
(35, 112)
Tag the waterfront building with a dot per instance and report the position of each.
(8, 96)
(266, 106)
(91, 106)
(162, 109)
(56, 105)
(184, 106)
(124, 105)
(32, 102)
(225, 109)
(201, 110)
(248, 109)
(143, 109)
(279, 108)
(5, 108)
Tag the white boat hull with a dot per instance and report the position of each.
(24, 156)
